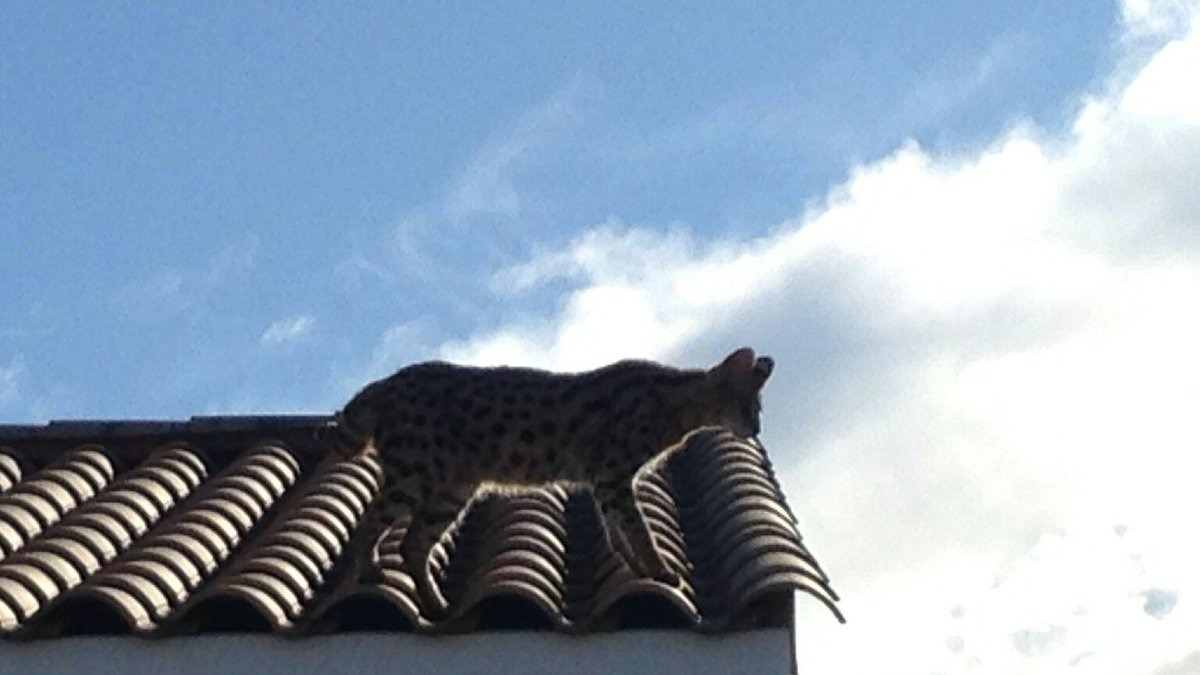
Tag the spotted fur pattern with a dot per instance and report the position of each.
(441, 431)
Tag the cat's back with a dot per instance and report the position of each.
(433, 382)
(434, 373)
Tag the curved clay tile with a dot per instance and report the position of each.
(153, 579)
(10, 469)
(292, 559)
(749, 538)
(766, 577)
(622, 583)
(92, 534)
(505, 610)
(657, 501)
(613, 600)
(604, 586)
(375, 608)
(252, 550)
(599, 583)
(511, 546)
(31, 506)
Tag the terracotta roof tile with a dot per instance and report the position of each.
(243, 524)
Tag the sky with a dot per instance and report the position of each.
(967, 233)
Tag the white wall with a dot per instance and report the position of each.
(762, 652)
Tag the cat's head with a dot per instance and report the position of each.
(737, 383)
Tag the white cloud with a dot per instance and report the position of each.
(1149, 18)
(445, 230)
(1186, 666)
(172, 291)
(400, 345)
(289, 329)
(10, 380)
(485, 185)
(231, 260)
(987, 388)
(359, 268)
(954, 83)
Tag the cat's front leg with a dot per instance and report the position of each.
(624, 520)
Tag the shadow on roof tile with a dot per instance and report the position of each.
(164, 548)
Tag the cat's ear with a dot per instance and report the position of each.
(737, 367)
(763, 366)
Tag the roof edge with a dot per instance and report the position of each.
(101, 428)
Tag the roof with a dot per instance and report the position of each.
(220, 524)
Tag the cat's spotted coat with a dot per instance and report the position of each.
(442, 430)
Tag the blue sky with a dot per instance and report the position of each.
(968, 233)
(175, 179)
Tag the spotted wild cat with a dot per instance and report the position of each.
(442, 430)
